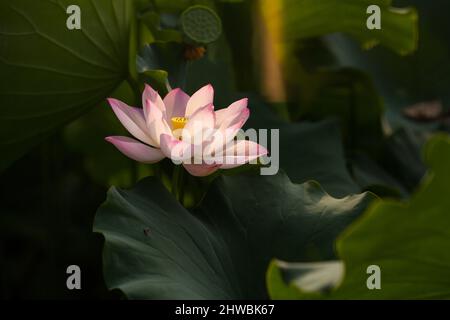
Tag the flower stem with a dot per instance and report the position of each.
(181, 186)
(134, 84)
(177, 183)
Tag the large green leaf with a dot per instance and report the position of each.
(155, 248)
(50, 74)
(414, 258)
(309, 18)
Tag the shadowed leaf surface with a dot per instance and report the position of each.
(156, 249)
(50, 74)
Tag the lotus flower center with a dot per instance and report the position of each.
(178, 123)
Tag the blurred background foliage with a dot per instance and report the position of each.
(354, 107)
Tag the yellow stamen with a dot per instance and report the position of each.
(178, 123)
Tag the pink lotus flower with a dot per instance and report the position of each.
(186, 130)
